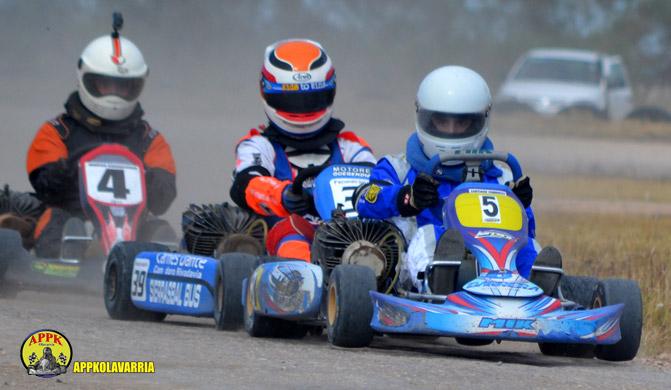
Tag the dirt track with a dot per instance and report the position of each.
(191, 353)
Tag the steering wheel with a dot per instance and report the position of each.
(471, 159)
(304, 174)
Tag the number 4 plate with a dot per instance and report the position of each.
(115, 183)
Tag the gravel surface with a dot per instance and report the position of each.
(190, 353)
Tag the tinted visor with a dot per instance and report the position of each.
(127, 88)
(301, 102)
(450, 126)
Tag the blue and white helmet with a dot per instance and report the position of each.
(452, 97)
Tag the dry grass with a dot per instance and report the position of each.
(580, 126)
(614, 246)
(599, 187)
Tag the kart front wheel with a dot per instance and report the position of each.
(117, 281)
(233, 268)
(613, 291)
(580, 290)
(349, 306)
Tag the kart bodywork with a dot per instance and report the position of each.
(499, 304)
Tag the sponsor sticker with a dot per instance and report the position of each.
(372, 193)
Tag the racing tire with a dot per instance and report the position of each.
(473, 342)
(117, 282)
(233, 269)
(349, 306)
(579, 289)
(613, 291)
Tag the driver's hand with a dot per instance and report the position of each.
(424, 192)
(297, 204)
(522, 189)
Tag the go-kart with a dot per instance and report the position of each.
(145, 281)
(471, 290)
(113, 198)
(287, 298)
(481, 297)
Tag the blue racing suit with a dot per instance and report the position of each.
(423, 231)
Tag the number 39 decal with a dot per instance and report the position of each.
(491, 212)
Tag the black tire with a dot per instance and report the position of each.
(579, 289)
(233, 268)
(613, 291)
(117, 282)
(349, 306)
(473, 342)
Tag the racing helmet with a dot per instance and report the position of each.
(453, 106)
(298, 86)
(111, 74)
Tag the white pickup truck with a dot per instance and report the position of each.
(554, 81)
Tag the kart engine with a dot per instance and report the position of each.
(373, 243)
(218, 228)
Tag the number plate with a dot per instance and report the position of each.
(139, 278)
(488, 210)
(343, 190)
(115, 183)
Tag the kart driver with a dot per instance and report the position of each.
(298, 87)
(105, 109)
(453, 105)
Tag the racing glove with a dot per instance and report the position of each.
(421, 194)
(55, 182)
(522, 189)
(297, 204)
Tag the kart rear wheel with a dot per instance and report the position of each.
(117, 282)
(233, 268)
(579, 289)
(613, 291)
(158, 231)
(349, 306)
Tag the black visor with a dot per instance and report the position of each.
(127, 88)
(450, 126)
(300, 102)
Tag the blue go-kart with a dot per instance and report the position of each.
(221, 247)
(472, 290)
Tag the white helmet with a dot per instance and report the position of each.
(453, 105)
(298, 86)
(111, 74)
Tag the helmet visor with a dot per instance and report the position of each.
(450, 126)
(127, 88)
(300, 102)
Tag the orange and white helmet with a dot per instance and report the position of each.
(111, 74)
(298, 86)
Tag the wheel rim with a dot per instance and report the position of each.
(111, 283)
(220, 296)
(249, 308)
(332, 309)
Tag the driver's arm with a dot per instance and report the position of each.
(160, 174)
(378, 198)
(46, 163)
(254, 187)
